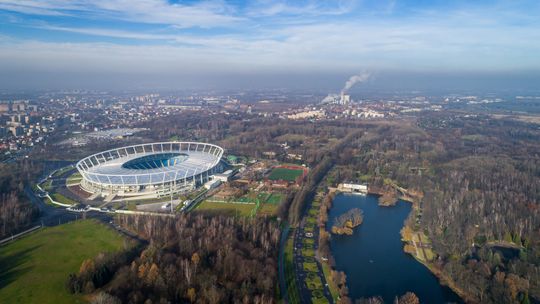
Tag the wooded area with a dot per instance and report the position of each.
(16, 212)
(481, 180)
(191, 258)
(345, 223)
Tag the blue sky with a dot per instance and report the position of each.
(80, 41)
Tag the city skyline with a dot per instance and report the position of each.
(266, 43)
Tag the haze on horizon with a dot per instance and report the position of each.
(268, 44)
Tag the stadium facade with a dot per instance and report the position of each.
(149, 170)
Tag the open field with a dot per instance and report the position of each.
(47, 186)
(268, 203)
(74, 178)
(227, 208)
(267, 209)
(262, 197)
(35, 268)
(62, 199)
(289, 175)
(62, 171)
(331, 284)
(292, 289)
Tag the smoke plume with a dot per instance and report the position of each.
(330, 98)
(354, 80)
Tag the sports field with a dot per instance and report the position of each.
(261, 197)
(227, 208)
(285, 174)
(35, 268)
(245, 205)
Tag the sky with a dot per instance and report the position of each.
(268, 44)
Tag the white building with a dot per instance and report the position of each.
(211, 184)
(350, 187)
(225, 176)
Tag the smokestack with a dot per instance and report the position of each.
(343, 97)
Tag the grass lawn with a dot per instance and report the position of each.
(228, 208)
(308, 252)
(317, 298)
(62, 199)
(310, 266)
(331, 284)
(35, 268)
(285, 174)
(313, 213)
(292, 289)
(308, 241)
(309, 228)
(73, 178)
(313, 281)
(267, 209)
(262, 197)
(274, 198)
(60, 172)
(47, 186)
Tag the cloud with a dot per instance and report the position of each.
(264, 36)
(308, 8)
(203, 14)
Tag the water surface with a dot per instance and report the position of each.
(373, 257)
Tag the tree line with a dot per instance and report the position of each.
(16, 211)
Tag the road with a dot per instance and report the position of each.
(50, 215)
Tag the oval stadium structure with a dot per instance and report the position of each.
(149, 170)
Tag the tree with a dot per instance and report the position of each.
(152, 275)
(195, 258)
(105, 298)
(191, 295)
(409, 298)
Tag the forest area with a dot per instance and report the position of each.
(16, 211)
(479, 180)
(193, 257)
(480, 183)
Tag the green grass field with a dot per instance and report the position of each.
(74, 178)
(309, 241)
(308, 252)
(292, 289)
(62, 199)
(267, 209)
(274, 198)
(47, 186)
(62, 171)
(35, 268)
(262, 197)
(310, 266)
(227, 208)
(331, 284)
(285, 174)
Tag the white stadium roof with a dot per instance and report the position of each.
(147, 164)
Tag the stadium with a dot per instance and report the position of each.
(149, 170)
